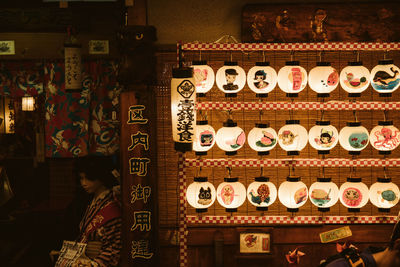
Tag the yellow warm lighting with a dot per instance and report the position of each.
(28, 103)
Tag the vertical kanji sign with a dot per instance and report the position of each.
(139, 179)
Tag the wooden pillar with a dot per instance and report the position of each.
(138, 139)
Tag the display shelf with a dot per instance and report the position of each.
(254, 220)
(297, 162)
(184, 163)
(331, 105)
(289, 46)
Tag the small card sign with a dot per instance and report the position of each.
(255, 243)
(7, 48)
(99, 47)
(335, 234)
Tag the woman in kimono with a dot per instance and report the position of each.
(100, 227)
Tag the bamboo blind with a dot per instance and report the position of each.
(168, 198)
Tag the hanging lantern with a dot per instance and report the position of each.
(73, 68)
(354, 78)
(385, 137)
(230, 138)
(292, 78)
(28, 103)
(323, 137)
(292, 137)
(354, 137)
(324, 194)
(261, 193)
(353, 194)
(204, 137)
(231, 194)
(201, 194)
(230, 78)
(293, 193)
(323, 79)
(203, 76)
(183, 99)
(262, 138)
(262, 78)
(384, 194)
(385, 77)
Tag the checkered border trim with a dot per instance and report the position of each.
(290, 46)
(291, 220)
(299, 162)
(331, 105)
(182, 211)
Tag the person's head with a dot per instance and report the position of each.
(230, 75)
(260, 75)
(95, 173)
(325, 138)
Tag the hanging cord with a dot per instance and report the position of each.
(384, 172)
(320, 54)
(199, 55)
(355, 116)
(291, 55)
(229, 112)
(385, 115)
(229, 169)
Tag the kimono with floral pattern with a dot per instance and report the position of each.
(108, 233)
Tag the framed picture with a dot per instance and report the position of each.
(7, 48)
(255, 241)
(98, 47)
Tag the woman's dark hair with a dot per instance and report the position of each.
(326, 135)
(97, 168)
(395, 235)
(259, 73)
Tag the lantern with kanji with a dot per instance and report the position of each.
(231, 194)
(201, 194)
(384, 194)
(293, 193)
(354, 78)
(323, 137)
(292, 137)
(323, 79)
(262, 138)
(7, 115)
(354, 194)
(230, 137)
(262, 78)
(183, 112)
(385, 137)
(385, 77)
(261, 193)
(204, 137)
(354, 137)
(230, 78)
(203, 76)
(324, 194)
(292, 78)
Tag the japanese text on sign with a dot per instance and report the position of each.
(136, 115)
(142, 219)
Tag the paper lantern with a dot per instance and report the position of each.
(73, 67)
(323, 137)
(385, 137)
(230, 138)
(384, 194)
(230, 78)
(183, 111)
(261, 193)
(28, 103)
(354, 194)
(323, 79)
(201, 194)
(385, 77)
(204, 137)
(262, 138)
(203, 76)
(231, 194)
(354, 137)
(292, 137)
(324, 194)
(262, 78)
(354, 78)
(292, 78)
(293, 193)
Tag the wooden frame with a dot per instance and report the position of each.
(254, 241)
